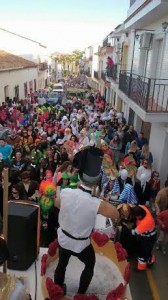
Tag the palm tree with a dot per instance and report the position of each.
(77, 56)
(69, 62)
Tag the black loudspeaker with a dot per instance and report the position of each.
(22, 235)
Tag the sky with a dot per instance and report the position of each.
(63, 25)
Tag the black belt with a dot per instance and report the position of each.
(72, 237)
(84, 190)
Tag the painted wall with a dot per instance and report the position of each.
(17, 77)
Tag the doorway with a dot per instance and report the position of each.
(6, 92)
(131, 117)
(146, 129)
(17, 92)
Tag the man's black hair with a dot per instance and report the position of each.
(138, 211)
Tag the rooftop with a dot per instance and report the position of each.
(9, 61)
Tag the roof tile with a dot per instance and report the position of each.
(10, 61)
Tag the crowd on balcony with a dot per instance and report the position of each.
(39, 153)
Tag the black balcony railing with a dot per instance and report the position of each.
(103, 75)
(96, 74)
(106, 43)
(148, 93)
(111, 72)
(43, 66)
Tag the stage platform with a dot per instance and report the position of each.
(30, 276)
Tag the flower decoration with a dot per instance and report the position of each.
(55, 291)
(121, 252)
(127, 273)
(53, 247)
(117, 293)
(85, 297)
(43, 264)
(100, 238)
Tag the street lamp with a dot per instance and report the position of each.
(23, 37)
(164, 26)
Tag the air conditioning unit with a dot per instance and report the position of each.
(146, 40)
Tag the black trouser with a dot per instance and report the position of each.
(145, 247)
(87, 256)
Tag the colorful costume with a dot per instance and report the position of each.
(48, 191)
(129, 164)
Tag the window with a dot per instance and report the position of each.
(6, 92)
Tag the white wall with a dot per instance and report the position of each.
(42, 76)
(137, 123)
(130, 50)
(95, 60)
(17, 77)
(134, 7)
(158, 145)
(152, 8)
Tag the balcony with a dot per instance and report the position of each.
(148, 93)
(111, 72)
(143, 13)
(43, 66)
(87, 59)
(96, 74)
(103, 75)
(106, 43)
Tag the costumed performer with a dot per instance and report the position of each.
(83, 139)
(78, 211)
(129, 164)
(111, 190)
(47, 190)
(71, 146)
(128, 195)
(64, 182)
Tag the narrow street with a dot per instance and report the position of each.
(151, 284)
(83, 125)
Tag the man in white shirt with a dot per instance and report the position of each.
(78, 211)
(144, 169)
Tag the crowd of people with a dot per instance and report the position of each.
(43, 141)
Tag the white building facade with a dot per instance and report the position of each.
(142, 86)
(137, 83)
(18, 77)
(28, 49)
